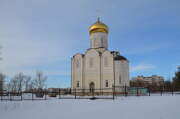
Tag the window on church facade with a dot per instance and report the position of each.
(107, 83)
(77, 64)
(91, 62)
(78, 85)
(95, 42)
(101, 41)
(105, 61)
(120, 79)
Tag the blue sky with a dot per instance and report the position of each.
(43, 35)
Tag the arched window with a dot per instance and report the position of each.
(102, 42)
(106, 61)
(106, 83)
(95, 42)
(77, 63)
(90, 62)
(78, 84)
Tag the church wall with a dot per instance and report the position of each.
(92, 68)
(72, 73)
(118, 70)
(121, 74)
(77, 70)
(107, 70)
(126, 72)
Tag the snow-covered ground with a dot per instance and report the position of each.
(132, 107)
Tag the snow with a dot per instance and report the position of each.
(131, 107)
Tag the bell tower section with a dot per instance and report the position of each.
(99, 35)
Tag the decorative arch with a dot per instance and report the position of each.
(77, 60)
(106, 58)
(91, 57)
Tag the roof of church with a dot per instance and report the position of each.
(119, 57)
(116, 55)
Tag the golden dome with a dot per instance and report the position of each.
(98, 27)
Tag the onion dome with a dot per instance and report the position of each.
(98, 27)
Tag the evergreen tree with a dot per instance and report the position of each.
(2, 77)
(176, 79)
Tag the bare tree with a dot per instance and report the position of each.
(16, 83)
(32, 85)
(20, 81)
(12, 85)
(40, 80)
(28, 83)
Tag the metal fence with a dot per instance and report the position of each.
(107, 93)
(60, 94)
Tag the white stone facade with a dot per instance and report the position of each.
(99, 40)
(99, 68)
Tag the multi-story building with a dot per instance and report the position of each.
(149, 80)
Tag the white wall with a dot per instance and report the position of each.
(77, 71)
(98, 71)
(107, 69)
(122, 73)
(92, 73)
(99, 39)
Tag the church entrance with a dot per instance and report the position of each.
(91, 87)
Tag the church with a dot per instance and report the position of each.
(99, 69)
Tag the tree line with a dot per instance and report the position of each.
(21, 82)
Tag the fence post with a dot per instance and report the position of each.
(137, 91)
(93, 93)
(83, 92)
(172, 91)
(21, 95)
(75, 93)
(102, 92)
(32, 95)
(45, 94)
(125, 90)
(149, 91)
(161, 92)
(113, 92)
(10, 96)
(1, 96)
(59, 93)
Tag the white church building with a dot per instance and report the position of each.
(98, 68)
